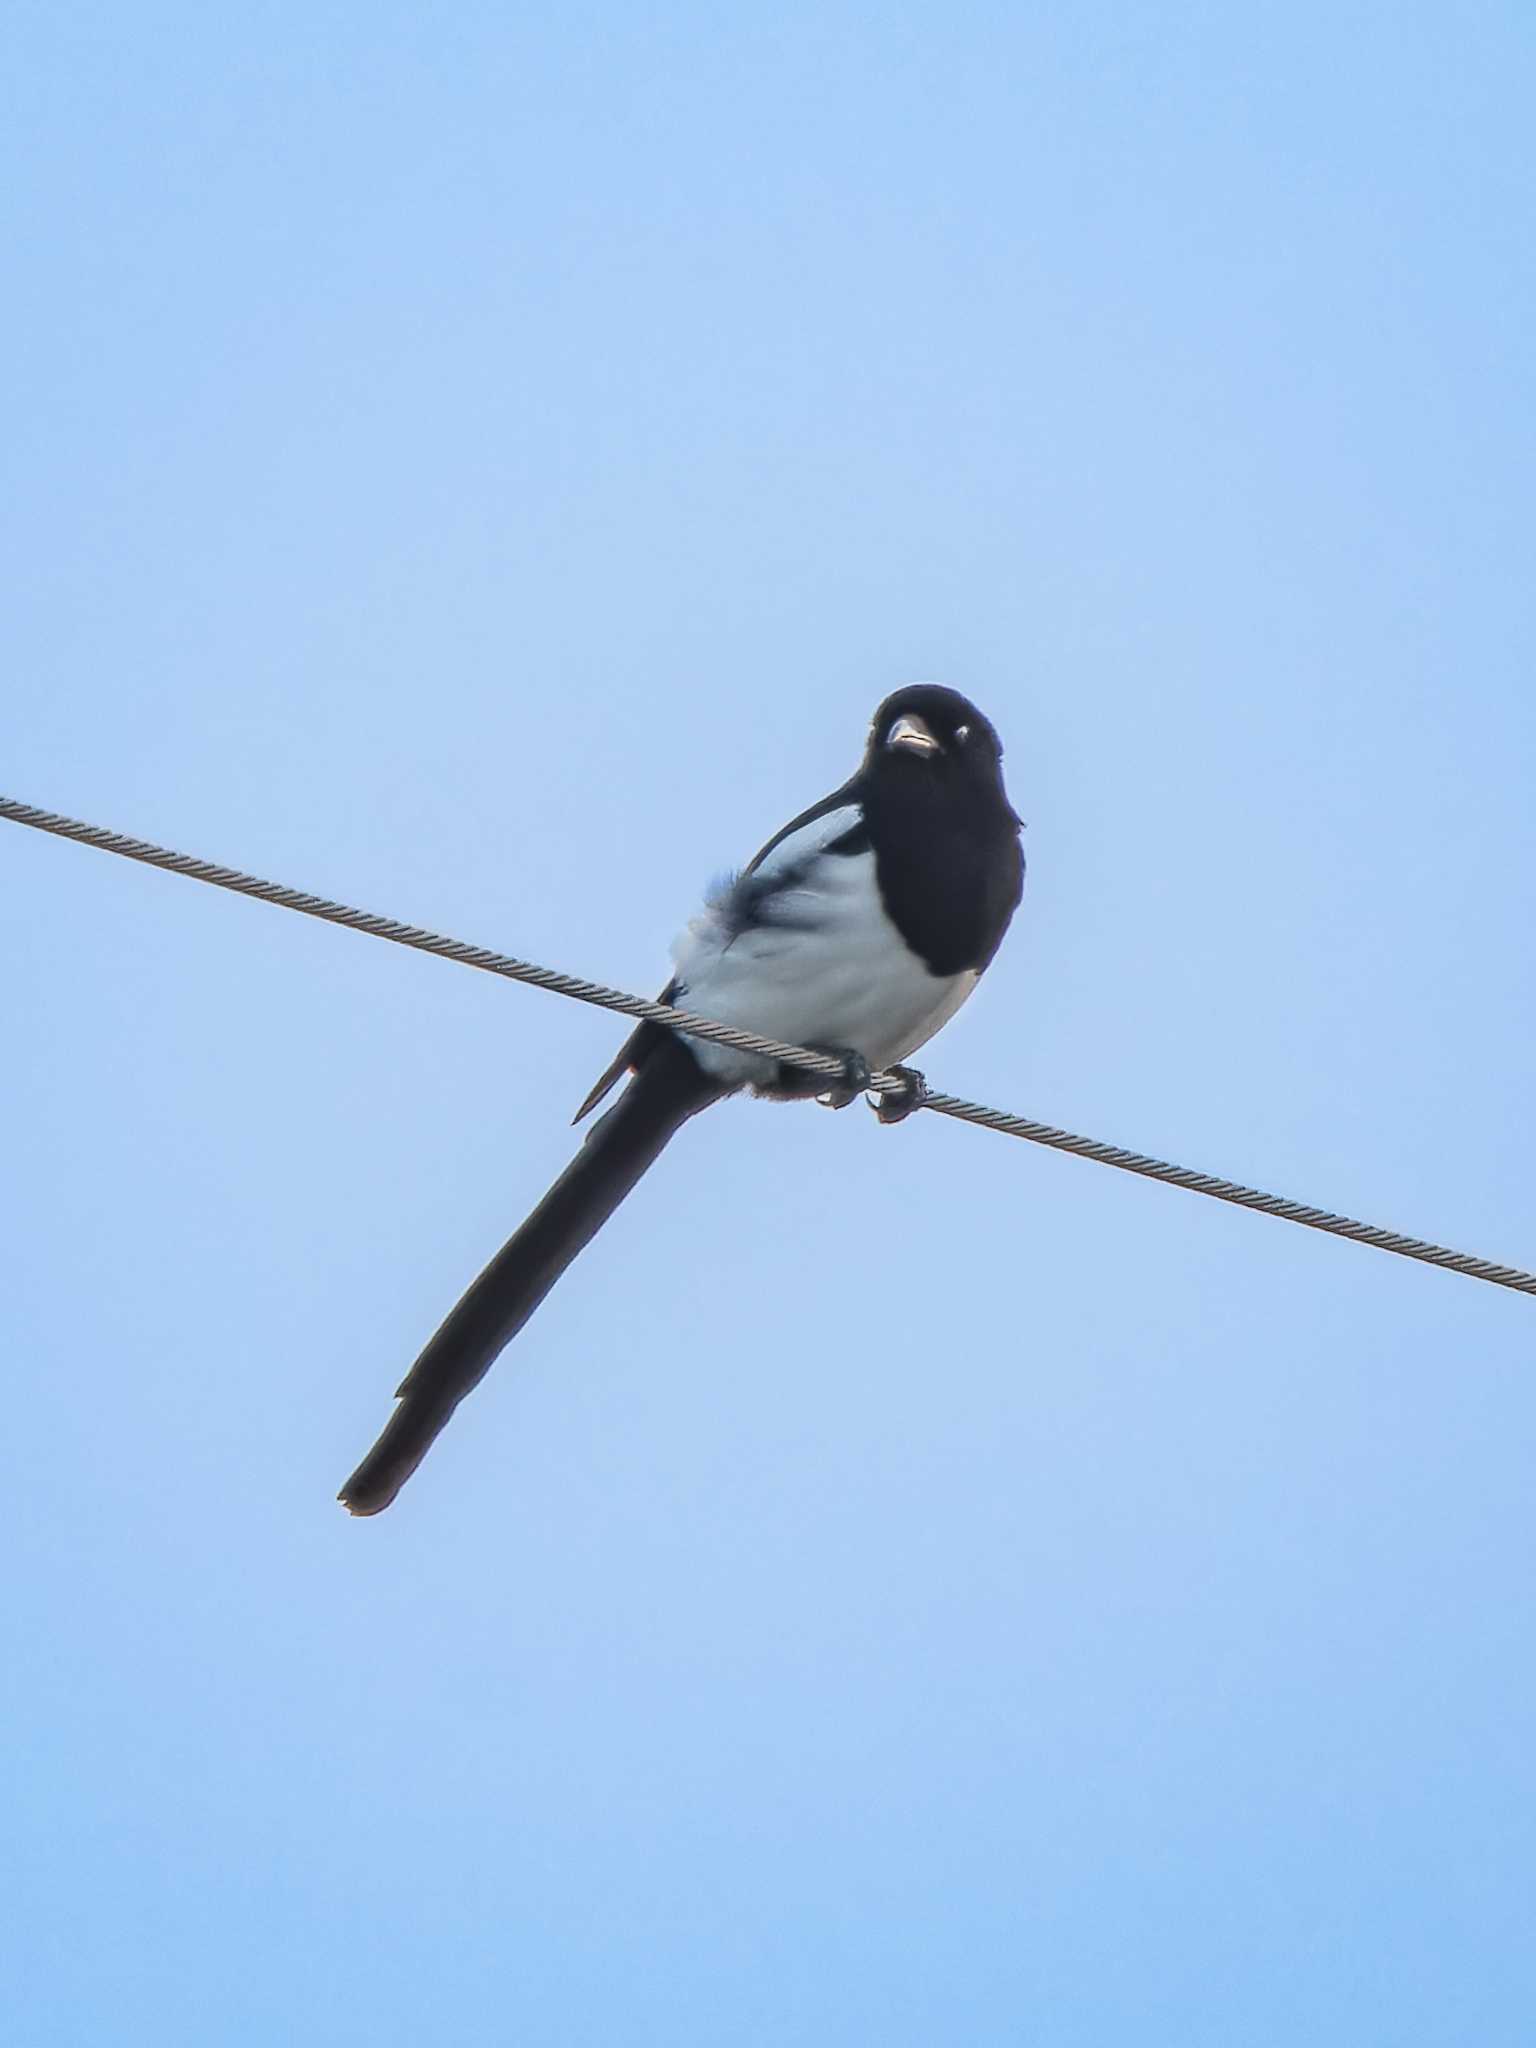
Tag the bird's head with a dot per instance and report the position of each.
(929, 731)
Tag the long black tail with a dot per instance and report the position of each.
(669, 1088)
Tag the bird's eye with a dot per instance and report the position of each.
(962, 733)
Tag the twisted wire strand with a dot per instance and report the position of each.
(595, 992)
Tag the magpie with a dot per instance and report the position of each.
(859, 930)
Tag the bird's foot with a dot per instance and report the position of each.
(851, 1083)
(895, 1105)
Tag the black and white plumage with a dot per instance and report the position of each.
(860, 928)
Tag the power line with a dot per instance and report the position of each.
(513, 969)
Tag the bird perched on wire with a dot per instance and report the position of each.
(858, 930)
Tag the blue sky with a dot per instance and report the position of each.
(904, 1586)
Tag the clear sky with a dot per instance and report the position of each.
(905, 1587)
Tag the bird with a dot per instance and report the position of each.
(857, 930)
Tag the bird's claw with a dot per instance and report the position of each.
(851, 1083)
(895, 1105)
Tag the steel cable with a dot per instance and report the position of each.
(513, 969)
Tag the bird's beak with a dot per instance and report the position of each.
(910, 732)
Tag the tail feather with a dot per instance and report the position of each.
(669, 1088)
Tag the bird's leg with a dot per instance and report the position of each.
(850, 1084)
(894, 1105)
(798, 1084)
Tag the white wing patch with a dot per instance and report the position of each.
(800, 848)
(719, 923)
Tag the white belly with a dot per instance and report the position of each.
(828, 968)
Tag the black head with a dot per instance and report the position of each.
(929, 731)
